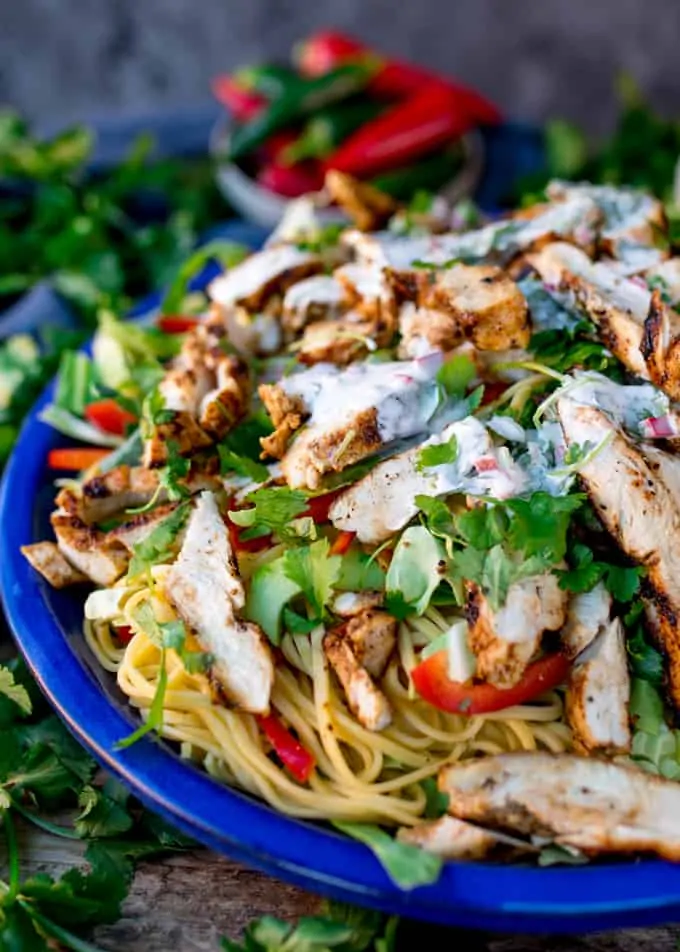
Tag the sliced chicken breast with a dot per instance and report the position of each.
(633, 323)
(124, 487)
(598, 694)
(666, 276)
(47, 559)
(384, 501)
(635, 495)
(358, 652)
(450, 838)
(262, 274)
(575, 220)
(205, 588)
(351, 337)
(352, 413)
(315, 299)
(582, 802)
(472, 302)
(133, 531)
(505, 641)
(227, 403)
(587, 616)
(103, 561)
(633, 221)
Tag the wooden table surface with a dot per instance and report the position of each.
(185, 902)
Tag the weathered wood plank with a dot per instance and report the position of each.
(187, 901)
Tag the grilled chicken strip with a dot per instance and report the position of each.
(633, 221)
(450, 838)
(263, 274)
(575, 220)
(587, 616)
(133, 531)
(351, 413)
(368, 207)
(102, 560)
(384, 501)
(359, 651)
(365, 290)
(104, 497)
(315, 299)
(633, 323)
(342, 341)
(598, 694)
(505, 641)
(473, 302)
(582, 802)
(205, 588)
(634, 489)
(47, 559)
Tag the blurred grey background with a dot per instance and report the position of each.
(68, 59)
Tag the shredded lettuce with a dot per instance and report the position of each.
(416, 569)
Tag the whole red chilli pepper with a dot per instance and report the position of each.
(291, 181)
(420, 124)
(243, 104)
(396, 79)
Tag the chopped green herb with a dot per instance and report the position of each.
(456, 374)
(407, 865)
(231, 462)
(316, 571)
(272, 510)
(439, 454)
(159, 545)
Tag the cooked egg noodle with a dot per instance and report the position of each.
(360, 775)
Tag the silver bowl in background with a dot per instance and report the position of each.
(257, 204)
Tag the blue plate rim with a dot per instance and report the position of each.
(572, 899)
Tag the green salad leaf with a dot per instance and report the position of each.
(407, 865)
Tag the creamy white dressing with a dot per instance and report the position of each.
(629, 405)
(405, 395)
(365, 280)
(575, 218)
(669, 272)
(550, 311)
(321, 289)
(255, 272)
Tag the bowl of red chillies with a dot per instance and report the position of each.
(341, 105)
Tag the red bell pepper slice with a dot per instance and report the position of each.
(427, 120)
(318, 506)
(124, 634)
(176, 323)
(75, 457)
(431, 681)
(343, 542)
(109, 416)
(293, 755)
(246, 545)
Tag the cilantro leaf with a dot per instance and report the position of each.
(623, 582)
(315, 570)
(359, 572)
(407, 865)
(439, 518)
(231, 462)
(539, 524)
(272, 510)
(158, 545)
(438, 454)
(298, 624)
(645, 661)
(16, 693)
(483, 526)
(584, 572)
(456, 374)
(103, 811)
(174, 635)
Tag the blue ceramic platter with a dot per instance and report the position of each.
(47, 627)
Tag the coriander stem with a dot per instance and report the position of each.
(54, 931)
(12, 856)
(63, 831)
